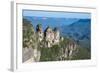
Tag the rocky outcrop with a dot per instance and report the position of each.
(70, 48)
(35, 41)
(30, 47)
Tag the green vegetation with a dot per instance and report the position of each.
(51, 54)
(29, 37)
(82, 53)
(55, 52)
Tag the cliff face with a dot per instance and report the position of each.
(29, 42)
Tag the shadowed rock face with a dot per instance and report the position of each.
(39, 33)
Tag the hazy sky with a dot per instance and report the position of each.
(56, 14)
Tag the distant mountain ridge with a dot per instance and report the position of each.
(52, 22)
(82, 26)
(79, 31)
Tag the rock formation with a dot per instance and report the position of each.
(33, 41)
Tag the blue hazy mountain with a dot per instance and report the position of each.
(75, 28)
(79, 31)
(52, 22)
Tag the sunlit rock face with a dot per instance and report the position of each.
(71, 48)
(61, 39)
(39, 32)
(36, 55)
(40, 35)
(49, 36)
(52, 37)
(56, 36)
